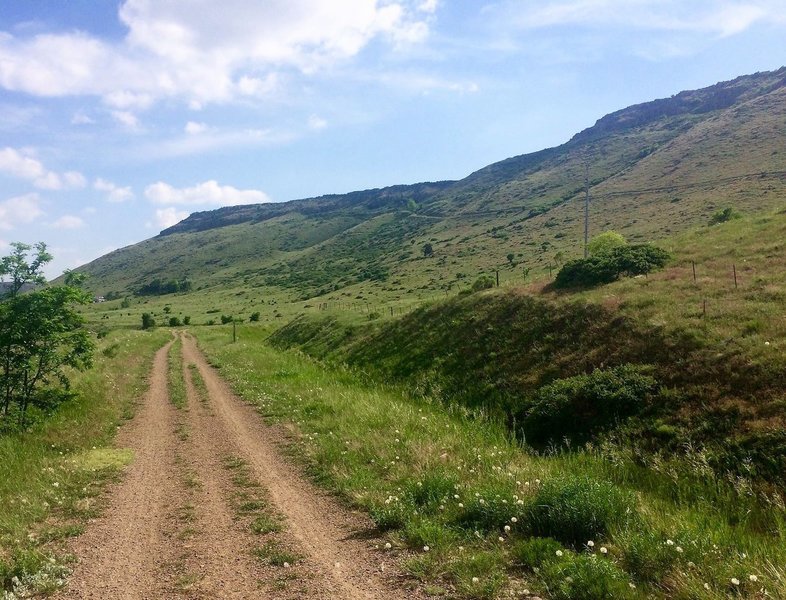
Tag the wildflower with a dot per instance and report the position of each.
(507, 528)
(286, 565)
(632, 585)
(604, 550)
(753, 578)
(669, 542)
(679, 549)
(558, 553)
(514, 520)
(706, 586)
(735, 581)
(590, 544)
(461, 505)
(426, 548)
(475, 580)
(388, 546)
(501, 539)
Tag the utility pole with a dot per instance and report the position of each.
(586, 209)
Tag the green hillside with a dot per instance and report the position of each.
(656, 169)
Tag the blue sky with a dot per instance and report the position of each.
(118, 118)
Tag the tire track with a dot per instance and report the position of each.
(121, 555)
(326, 531)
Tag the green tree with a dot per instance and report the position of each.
(148, 322)
(41, 334)
(510, 257)
(605, 242)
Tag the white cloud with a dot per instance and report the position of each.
(702, 16)
(81, 118)
(166, 217)
(68, 222)
(126, 118)
(19, 210)
(188, 50)
(18, 164)
(209, 193)
(428, 6)
(316, 122)
(193, 128)
(114, 192)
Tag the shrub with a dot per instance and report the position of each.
(605, 242)
(575, 509)
(724, 215)
(226, 319)
(484, 282)
(628, 260)
(186, 320)
(580, 406)
(148, 321)
(174, 322)
(254, 317)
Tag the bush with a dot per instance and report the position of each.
(484, 282)
(186, 320)
(174, 322)
(575, 509)
(724, 215)
(580, 406)
(254, 317)
(226, 319)
(148, 321)
(628, 260)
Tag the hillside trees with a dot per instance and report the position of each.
(41, 334)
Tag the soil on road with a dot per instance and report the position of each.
(212, 508)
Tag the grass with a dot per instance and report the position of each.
(439, 479)
(52, 474)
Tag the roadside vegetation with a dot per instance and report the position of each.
(476, 514)
(52, 471)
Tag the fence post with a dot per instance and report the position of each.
(734, 269)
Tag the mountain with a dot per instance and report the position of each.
(655, 169)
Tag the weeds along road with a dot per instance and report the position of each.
(210, 508)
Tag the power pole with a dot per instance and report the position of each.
(586, 209)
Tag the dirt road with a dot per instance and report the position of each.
(210, 508)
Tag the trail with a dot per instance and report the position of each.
(331, 536)
(174, 529)
(120, 554)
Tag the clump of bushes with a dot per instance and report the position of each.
(724, 215)
(484, 282)
(580, 406)
(626, 260)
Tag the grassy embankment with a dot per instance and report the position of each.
(51, 475)
(720, 374)
(476, 515)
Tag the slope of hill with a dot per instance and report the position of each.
(655, 169)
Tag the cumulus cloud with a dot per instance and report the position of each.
(21, 165)
(68, 222)
(166, 217)
(178, 48)
(114, 192)
(209, 193)
(19, 210)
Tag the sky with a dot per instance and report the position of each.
(120, 118)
